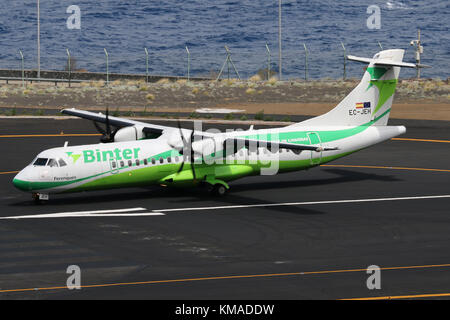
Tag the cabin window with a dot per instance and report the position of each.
(130, 163)
(62, 163)
(40, 162)
(161, 160)
(169, 159)
(138, 162)
(122, 164)
(145, 161)
(113, 164)
(153, 161)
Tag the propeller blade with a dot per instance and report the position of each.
(108, 126)
(99, 129)
(183, 149)
(192, 156)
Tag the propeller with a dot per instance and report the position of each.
(185, 148)
(107, 133)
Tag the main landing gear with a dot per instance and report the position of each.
(216, 187)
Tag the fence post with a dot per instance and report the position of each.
(345, 61)
(188, 63)
(227, 62)
(146, 65)
(23, 71)
(107, 66)
(306, 62)
(268, 62)
(69, 65)
(381, 47)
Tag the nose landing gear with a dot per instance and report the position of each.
(39, 197)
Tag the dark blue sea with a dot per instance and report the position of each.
(166, 27)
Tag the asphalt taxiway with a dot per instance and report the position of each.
(303, 235)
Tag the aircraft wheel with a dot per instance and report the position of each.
(220, 189)
(35, 197)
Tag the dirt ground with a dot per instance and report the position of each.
(424, 99)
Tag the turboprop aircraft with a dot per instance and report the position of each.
(133, 153)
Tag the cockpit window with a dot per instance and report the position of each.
(40, 162)
(62, 163)
(52, 163)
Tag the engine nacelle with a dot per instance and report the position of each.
(132, 133)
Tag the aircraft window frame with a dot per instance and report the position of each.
(161, 160)
(153, 161)
(40, 159)
(130, 163)
(169, 159)
(61, 162)
(113, 164)
(122, 164)
(145, 162)
(138, 162)
(52, 163)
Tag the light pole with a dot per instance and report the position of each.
(38, 41)
(419, 50)
(279, 39)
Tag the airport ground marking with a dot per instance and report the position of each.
(420, 140)
(129, 212)
(50, 135)
(98, 134)
(269, 275)
(9, 172)
(411, 296)
(342, 166)
(383, 167)
(281, 204)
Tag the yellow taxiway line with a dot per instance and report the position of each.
(342, 166)
(383, 167)
(98, 134)
(50, 135)
(228, 277)
(421, 140)
(9, 172)
(410, 296)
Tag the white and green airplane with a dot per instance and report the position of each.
(140, 154)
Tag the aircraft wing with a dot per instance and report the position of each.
(269, 144)
(115, 121)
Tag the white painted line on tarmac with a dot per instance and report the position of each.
(97, 213)
(303, 203)
(161, 212)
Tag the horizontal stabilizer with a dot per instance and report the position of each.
(387, 62)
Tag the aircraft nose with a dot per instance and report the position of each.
(21, 183)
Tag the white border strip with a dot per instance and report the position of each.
(97, 213)
(302, 203)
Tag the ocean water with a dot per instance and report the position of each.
(245, 26)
